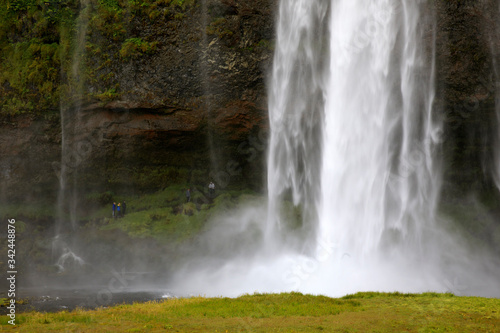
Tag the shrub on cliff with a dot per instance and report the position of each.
(136, 47)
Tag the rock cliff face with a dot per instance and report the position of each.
(192, 110)
(182, 98)
(467, 48)
(27, 148)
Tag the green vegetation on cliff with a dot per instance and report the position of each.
(166, 216)
(38, 39)
(34, 41)
(135, 47)
(286, 312)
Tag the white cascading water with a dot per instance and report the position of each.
(355, 143)
(379, 178)
(296, 103)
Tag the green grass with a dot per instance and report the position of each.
(287, 312)
(38, 211)
(163, 215)
(160, 223)
(166, 216)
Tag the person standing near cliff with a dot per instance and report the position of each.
(124, 208)
(118, 210)
(114, 210)
(188, 195)
(211, 189)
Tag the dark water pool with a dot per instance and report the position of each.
(54, 300)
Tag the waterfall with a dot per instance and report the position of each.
(67, 199)
(379, 177)
(356, 147)
(209, 48)
(354, 166)
(354, 137)
(296, 102)
(496, 163)
(496, 91)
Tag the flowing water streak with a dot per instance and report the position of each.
(496, 88)
(373, 155)
(296, 109)
(209, 56)
(206, 91)
(70, 119)
(77, 96)
(356, 151)
(378, 175)
(421, 129)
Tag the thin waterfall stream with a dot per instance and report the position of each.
(67, 203)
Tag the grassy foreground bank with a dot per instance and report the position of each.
(293, 312)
